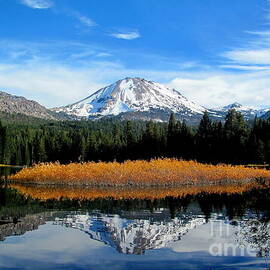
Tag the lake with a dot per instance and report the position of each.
(196, 230)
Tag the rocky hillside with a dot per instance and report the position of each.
(11, 104)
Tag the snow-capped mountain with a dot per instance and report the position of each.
(131, 236)
(127, 99)
(134, 95)
(248, 112)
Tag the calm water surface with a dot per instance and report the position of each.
(202, 231)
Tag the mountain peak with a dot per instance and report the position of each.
(234, 105)
(247, 112)
(132, 95)
(237, 106)
(138, 98)
(133, 78)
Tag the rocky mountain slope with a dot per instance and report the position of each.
(11, 104)
(135, 98)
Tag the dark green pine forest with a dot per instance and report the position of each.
(25, 141)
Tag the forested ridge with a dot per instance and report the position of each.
(234, 141)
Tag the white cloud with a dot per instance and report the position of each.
(250, 84)
(259, 33)
(51, 84)
(83, 54)
(90, 53)
(247, 67)
(254, 52)
(104, 54)
(45, 4)
(128, 35)
(219, 89)
(250, 57)
(86, 21)
(37, 4)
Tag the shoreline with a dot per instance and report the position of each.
(144, 185)
(42, 192)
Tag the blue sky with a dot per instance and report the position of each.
(213, 51)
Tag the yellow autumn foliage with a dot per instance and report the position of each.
(158, 172)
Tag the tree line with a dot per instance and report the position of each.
(233, 141)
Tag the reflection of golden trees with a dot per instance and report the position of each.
(160, 172)
(54, 192)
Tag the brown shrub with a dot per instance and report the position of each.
(158, 172)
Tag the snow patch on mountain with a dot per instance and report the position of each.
(249, 112)
(132, 94)
(137, 98)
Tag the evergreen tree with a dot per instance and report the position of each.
(2, 143)
(131, 150)
(204, 138)
(186, 141)
(235, 130)
(172, 136)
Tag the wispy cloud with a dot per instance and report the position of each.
(63, 51)
(214, 89)
(90, 53)
(86, 21)
(37, 4)
(82, 54)
(254, 54)
(126, 35)
(104, 54)
(250, 57)
(245, 67)
(45, 4)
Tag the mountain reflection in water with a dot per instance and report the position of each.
(195, 223)
(133, 236)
